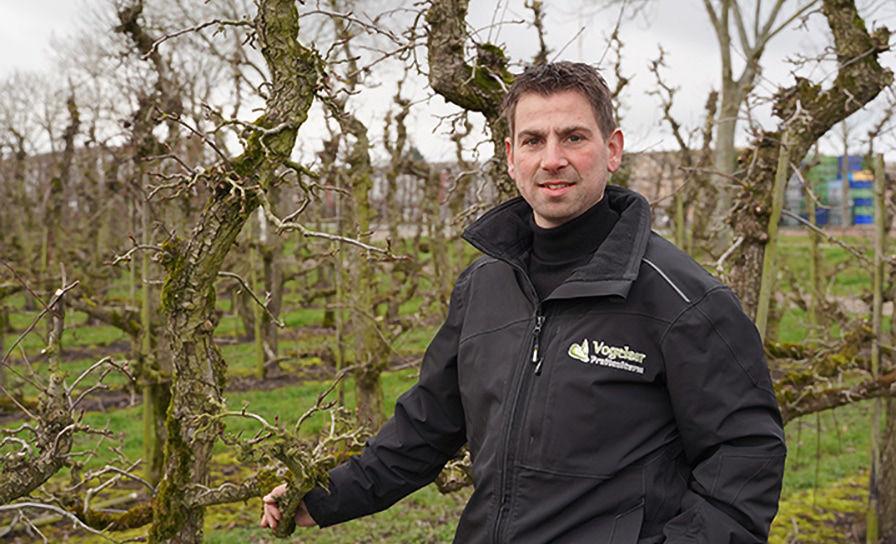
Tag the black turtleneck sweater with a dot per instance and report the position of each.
(558, 251)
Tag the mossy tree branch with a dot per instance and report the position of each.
(825, 399)
(480, 87)
(140, 514)
(122, 317)
(808, 376)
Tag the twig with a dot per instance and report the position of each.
(41, 506)
(84, 374)
(23, 282)
(305, 231)
(257, 128)
(119, 473)
(245, 286)
(127, 256)
(124, 472)
(25, 450)
(99, 385)
(23, 427)
(371, 27)
(728, 253)
(713, 172)
(16, 402)
(176, 118)
(807, 186)
(855, 252)
(197, 28)
(56, 296)
(567, 44)
(251, 415)
(674, 192)
(319, 404)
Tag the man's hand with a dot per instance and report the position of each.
(271, 514)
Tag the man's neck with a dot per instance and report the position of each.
(558, 251)
(578, 236)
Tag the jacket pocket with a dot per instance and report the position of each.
(627, 526)
(559, 508)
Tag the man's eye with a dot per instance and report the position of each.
(575, 138)
(530, 141)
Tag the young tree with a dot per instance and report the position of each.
(156, 107)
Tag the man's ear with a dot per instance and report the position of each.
(508, 153)
(615, 143)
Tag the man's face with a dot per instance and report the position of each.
(558, 157)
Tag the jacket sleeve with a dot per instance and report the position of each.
(729, 422)
(410, 450)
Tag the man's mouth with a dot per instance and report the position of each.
(556, 185)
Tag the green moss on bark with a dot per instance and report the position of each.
(169, 513)
(134, 517)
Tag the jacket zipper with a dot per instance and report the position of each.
(537, 359)
(518, 407)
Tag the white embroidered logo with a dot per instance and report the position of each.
(579, 351)
(607, 355)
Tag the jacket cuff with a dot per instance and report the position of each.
(321, 506)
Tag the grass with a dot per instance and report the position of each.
(826, 447)
(826, 515)
(852, 280)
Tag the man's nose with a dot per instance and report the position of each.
(553, 157)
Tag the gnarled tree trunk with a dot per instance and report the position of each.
(809, 112)
(188, 296)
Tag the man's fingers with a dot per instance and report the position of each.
(276, 492)
(272, 512)
(267, 521)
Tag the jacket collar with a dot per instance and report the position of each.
(503, 233)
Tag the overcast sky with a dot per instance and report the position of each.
(681, 26)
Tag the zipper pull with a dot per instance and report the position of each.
(536, 358)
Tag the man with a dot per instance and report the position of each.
(608, 388)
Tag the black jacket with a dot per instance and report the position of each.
(633, 405)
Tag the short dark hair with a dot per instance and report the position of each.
(555, 77)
